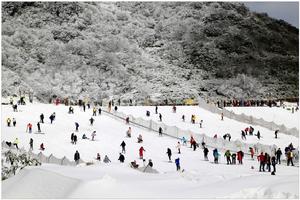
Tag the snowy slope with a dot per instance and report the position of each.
(200, 179)
(212, 123)
(278, 115)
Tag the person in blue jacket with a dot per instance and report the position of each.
(177, 162)
(216, 155)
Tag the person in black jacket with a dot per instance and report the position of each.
(75, 138)
(273, 162)
(169, 152)
(278, 155)
(123, 144)
(121, 158)
(76, 157)
(205, 151)
(42, 118)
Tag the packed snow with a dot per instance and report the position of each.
(200, 179)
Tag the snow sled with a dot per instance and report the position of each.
(145, 169)
(39, 133)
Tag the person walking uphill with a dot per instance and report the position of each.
(169, 152)
(141, 151)
(76, 157)
(123, 144)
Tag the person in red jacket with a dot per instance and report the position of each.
(251, 152)
(240, 156)
(261, 159)
(246, 130)
(141, 152)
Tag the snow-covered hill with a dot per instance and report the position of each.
(201, 179)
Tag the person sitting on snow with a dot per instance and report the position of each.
(134, 165)
(106, 159)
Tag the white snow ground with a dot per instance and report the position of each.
(278, 115)
(201, 179)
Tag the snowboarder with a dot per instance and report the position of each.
(177, 162)
(160, 131)
(72, 138)
(261, 159)
(160, 117)
(93, 135)
(178, 147)
(216, 155)
(31, 144)
(77, 157)
(140, 138)
(39, 127)
(141, 150)
(233, 157)
(16, 142)
(169, 152)
(205, 151)
(228, 156)
(121, 158)
(14, 122)
(42, 147)
(240, 156)
(123, 144)
(183, 118)
(128, 132)
(8, 121)
(94, 111)
(92, 121)
(276, 132)
(278, 155)
(76, 126)
(29, 127)
(42, 118)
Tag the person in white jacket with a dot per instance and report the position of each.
(178, 146)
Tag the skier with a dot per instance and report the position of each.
(128, 132)
(31, 144)
(93, 135)
(228, 156)
(276, 132)
(98, 157)
(140, 139)
(39, 127)
(42, 118)
(92, 121)
(290, 158)
(183, 118)
(123, 144)
(233, 157)
(141, 150)
(77, 157)
(216, 155)
(76, 126)
(205, 151)
(29, 127)
(183, 141)
(177, 162)
(75, 139)
(160, 117)
(278, 155)
(72, 138)
(273, 162)
(261, 159)
(16, 142)
(169, 152)
(251, 152)
(121, 158)
(14, 122)
(94, 111)
(8, 121)
(156, 108)
(42, 147)
(178, 147)
(243, 135)
(160, 131)
(240, 156)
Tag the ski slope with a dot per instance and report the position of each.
(201, 179)
(212, 123)
(278, 115)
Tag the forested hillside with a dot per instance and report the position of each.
(160, 50)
